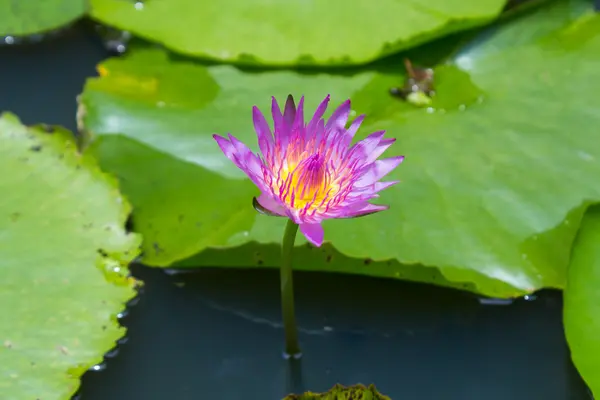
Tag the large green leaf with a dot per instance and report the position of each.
(582, 301)
(27, 17)
(63, 262)
(487, 191)
(334, 32)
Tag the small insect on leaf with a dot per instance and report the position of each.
(418, 87)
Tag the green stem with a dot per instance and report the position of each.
(292, 349)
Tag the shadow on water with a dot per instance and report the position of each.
(215, 334)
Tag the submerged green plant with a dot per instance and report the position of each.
(309, 173)
(339, 392)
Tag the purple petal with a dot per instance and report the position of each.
(277, 116)
(268, 202)
(312, 125)
(289, 113)
(379, 186)
(299, 118)
(377, 170)
(314, 233)
(365, 147)
(353, 129)
(339, 118)
(383, 145)
(265, 138)
(227, 148)
(363, 209)
(243, 158)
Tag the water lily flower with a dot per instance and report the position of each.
(310, 172)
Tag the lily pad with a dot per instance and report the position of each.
(21, 18)
(582, 301)
(63, 259)
(486, 191)
(334, 32)
(339, 392)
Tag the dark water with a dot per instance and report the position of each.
(215, 334)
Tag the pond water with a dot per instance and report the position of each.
(216, 334)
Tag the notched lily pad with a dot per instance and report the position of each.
(63, 260)
(339, 392)
(482, 192)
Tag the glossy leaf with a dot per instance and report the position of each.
(63, 261)
(582, 301)
(21, 18)
(334, 32)
(487, 186)
(339, 392)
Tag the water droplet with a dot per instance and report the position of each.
(530, 297)
(122, 314)
(139, 5)
(328, 329)
(492, 301)
(462, 107)
(9, 39)
(524, 256)
(98, 367)
(112, 353)
(566, 222)
(160, 104)
(123, 340)
(430, 110)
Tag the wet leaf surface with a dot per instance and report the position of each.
(582, 301)
(63, 260)
(336, 32)
(29, 17)
(487, 189)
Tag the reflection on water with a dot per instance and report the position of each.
(217, 334)
(114, 40)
